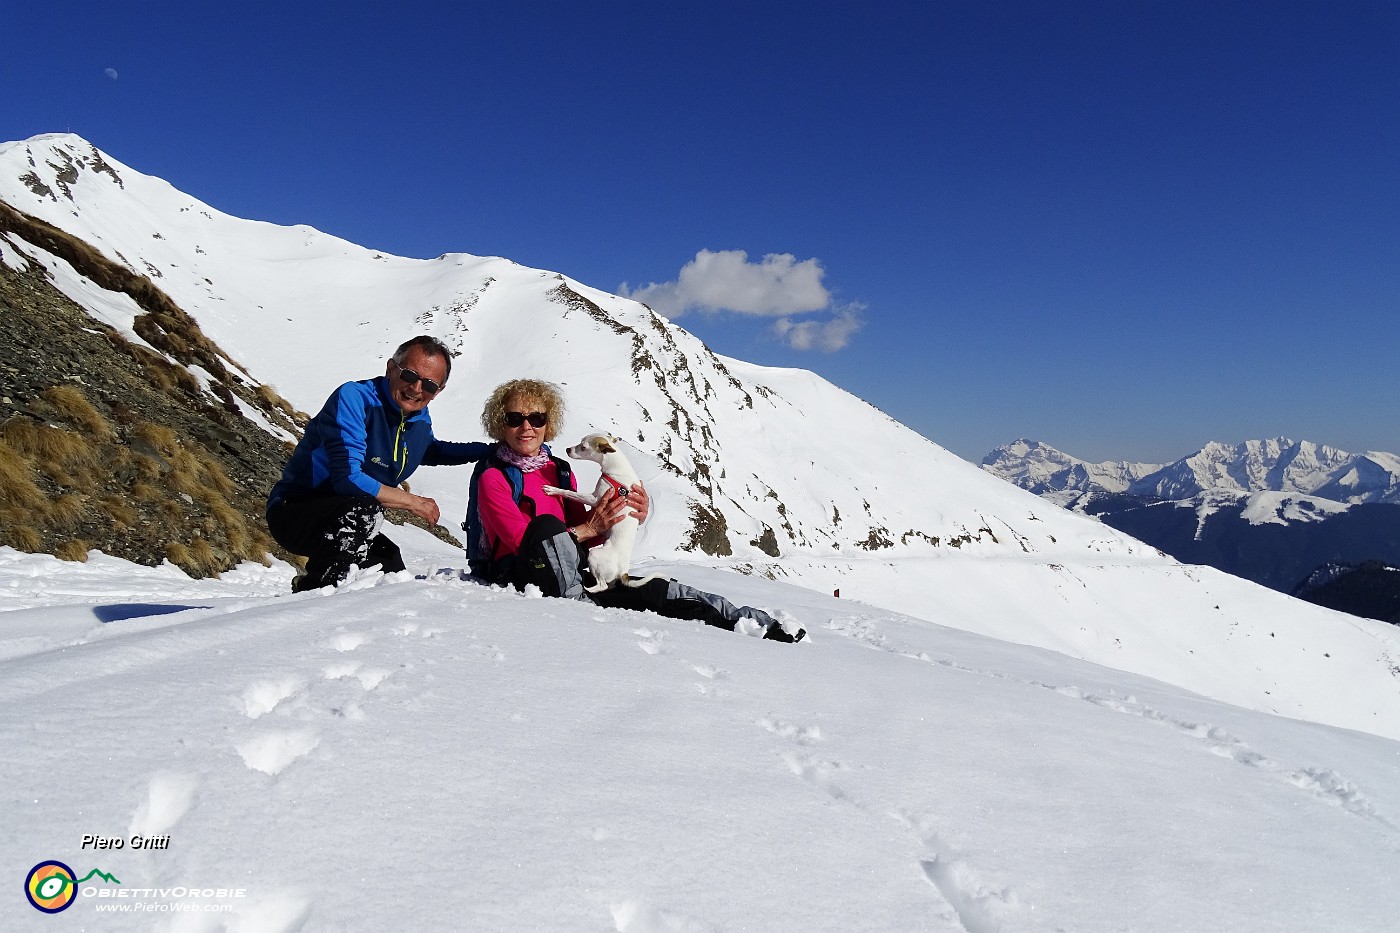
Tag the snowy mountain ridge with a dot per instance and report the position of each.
(1276, 465)
(1041, 469)
(1279, 465)
(764, 471)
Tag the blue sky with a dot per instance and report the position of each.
(1124, 229)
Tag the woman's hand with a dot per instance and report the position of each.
(610, 510)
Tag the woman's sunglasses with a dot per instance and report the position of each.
(409, 376)
(515, 419)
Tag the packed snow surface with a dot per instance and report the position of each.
(417, 751)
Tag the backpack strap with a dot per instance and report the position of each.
(479, 549)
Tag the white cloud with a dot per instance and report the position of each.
(727, 281)
(780, 287)
(829, 335)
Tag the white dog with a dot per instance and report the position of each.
(608, 561)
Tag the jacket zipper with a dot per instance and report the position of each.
(400, 449)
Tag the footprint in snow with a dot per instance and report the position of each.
(981, 907)
(802, 735)
(275, 913)
(817, 772)
(272, 752)
(349, 641)
(263, 696)
(652, 642)
(1323, 783)
(341, 669)
(168, 798)
(639, 917)
(369, 677)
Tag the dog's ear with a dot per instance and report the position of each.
(605, 445)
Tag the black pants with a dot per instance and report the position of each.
(552, 560)
(332, 533)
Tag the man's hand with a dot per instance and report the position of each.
(392, 497)
(426, 508)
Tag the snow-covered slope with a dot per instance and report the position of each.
(435, 755)
(739, 458)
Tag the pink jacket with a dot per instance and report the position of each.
(504, 521)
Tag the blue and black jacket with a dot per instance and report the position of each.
(361, 440)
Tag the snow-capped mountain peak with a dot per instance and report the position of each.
(1041, 469)
(1275, 465)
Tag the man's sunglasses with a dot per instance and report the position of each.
(515, 419)
(409, 376)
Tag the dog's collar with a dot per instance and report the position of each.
(618, 488)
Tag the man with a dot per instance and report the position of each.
(347, 469)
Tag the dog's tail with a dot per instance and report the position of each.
(630, 581)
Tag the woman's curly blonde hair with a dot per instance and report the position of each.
(541, 396)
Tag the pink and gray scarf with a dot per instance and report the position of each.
(525, 464)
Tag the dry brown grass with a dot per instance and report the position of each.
(204, 557)
(72, 549)
(71, 405)
(18, 491)
(272, 401)
(21, 537)
(179, 555)
(42, 442)
(214, 474)
(67, 510)
(197, 559)
(64, 456)
(145, 492)
(119, 511)
(158, 436)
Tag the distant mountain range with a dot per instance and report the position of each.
(1277, 465)
(1272, 511)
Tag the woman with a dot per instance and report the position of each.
(517, 534)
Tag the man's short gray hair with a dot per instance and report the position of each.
(429, 345)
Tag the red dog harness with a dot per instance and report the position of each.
(618, 488)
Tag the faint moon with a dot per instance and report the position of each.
(111, 73)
